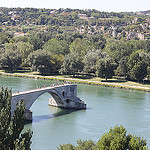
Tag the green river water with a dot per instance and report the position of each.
(106, 107)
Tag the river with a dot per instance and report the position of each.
(106, 107)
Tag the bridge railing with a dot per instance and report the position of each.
(40, 88)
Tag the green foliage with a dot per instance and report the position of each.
(139, 71)
(137, 66)
(137, 143)
(11, 58)
(66, 147)
(44, 62)
(56, 47)
(25, 48)
(123, 67)
(90, 60)
(11, 128)
(36, 41)
(85, 145)
(62, 31)
(80, 46)
(72, 64)
(105, 67)
(4, 38)
(148, 72)
(81, 145)
(115, 139)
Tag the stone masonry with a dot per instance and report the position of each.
(64, 96)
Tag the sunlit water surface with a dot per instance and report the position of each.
(106, 107)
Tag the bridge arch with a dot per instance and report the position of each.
(63, 96)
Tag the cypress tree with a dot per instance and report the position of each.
(11, 127)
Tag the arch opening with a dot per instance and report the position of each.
(63, 93)
(39, 108)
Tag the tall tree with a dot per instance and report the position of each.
(56, 47)
(137, 66)
(11, 58)
(44, 62)
(105, 67)
(80, 46)
(11, 127)
(25, 48)
(90, 60)
(72, 64)
(123, 67)
(117, 139)
(139, 71)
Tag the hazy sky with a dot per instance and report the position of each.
(102, 5)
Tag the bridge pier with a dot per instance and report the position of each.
(69, 104)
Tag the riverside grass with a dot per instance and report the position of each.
(95, 81)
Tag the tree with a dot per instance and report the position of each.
(85, 145)
(36, 41)
(81, 145)
(11, 127)
(123, 67)
(25, 48)
(11, 58)
(117, 139)
(137, 66)
(72, 63)
(66, 147)
(139, 71)
(105, 67)
(44, 62)
(41, 20)
(148, 72)
(98, 41)
(136, 142)
(56, 47)
(90, 60)
(80, 46)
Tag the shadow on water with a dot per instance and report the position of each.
(66, 111)
(58, 114)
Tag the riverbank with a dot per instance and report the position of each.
(94, 81)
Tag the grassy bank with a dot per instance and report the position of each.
(84, 80)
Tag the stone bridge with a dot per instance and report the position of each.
(64, 96)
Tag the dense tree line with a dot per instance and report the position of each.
(65, 18)
(11, 137)
(59, 48)
(52, 16)
(72, 53)
(116, 139)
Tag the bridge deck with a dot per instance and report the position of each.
(38, 89)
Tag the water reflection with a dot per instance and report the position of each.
(61, 112)
(41, 118)
(65, 112)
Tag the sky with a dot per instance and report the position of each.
(101, 5)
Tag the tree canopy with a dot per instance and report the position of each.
(11, 137)
(121, 36)
(116, 139)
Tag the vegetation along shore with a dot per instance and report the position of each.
(76, 42)
(114, 83)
